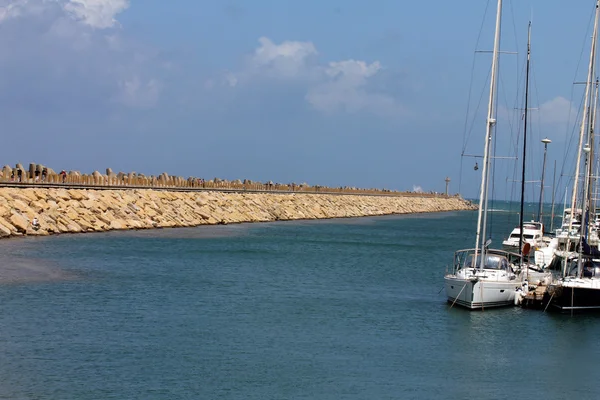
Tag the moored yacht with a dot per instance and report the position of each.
(579, 290)
(578, 285)
(482, 277)
(533, 233)
(478, 282)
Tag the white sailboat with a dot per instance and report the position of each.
(482, 277)
(529, 235)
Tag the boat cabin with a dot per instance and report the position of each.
(577, 217)
(533, 233)
(493, 259)
(590, 268)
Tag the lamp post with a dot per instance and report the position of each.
(545, 141)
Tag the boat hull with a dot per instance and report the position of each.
(480, 294)
(573, 297)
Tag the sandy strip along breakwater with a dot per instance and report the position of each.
(63, 210)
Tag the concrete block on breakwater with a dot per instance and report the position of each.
(62, 210)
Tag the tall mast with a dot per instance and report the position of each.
(490, 123)
(585, 129)
(585, 117)
(592, 177)
(590, 157)
(524, 139)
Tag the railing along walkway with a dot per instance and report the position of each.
(183, 185)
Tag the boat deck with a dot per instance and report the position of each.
(533, 299)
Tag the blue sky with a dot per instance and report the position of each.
(367, 94)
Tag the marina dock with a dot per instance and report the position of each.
(533, 299)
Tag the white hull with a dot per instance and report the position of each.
(479, 293)
(511, 242)
(533, 233)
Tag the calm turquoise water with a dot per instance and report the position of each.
(338, 309)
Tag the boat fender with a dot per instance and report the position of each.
(518, 296)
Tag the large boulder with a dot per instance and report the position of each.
(19, 222)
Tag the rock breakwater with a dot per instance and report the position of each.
(61, 210)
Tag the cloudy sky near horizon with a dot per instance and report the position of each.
(331, 92)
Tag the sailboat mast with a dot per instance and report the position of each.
(592, 178)
(585, 129)
(524, 139)
(590, 158)
(588, 148)
(490, 123)
(553, 191)
(585, 118)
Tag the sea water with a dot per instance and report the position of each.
(333, 309)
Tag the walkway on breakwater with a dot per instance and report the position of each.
(40, 176)
(221, 188)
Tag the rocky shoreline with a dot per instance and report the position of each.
(61, 210)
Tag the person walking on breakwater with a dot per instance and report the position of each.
(44, 174)
(63, 173)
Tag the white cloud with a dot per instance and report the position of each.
(557, 111)
(333, 87)
(139, 94)
(231, 79)
(61, 51)
(12, 8)
(93, 13)
(96, 13)
(346, 90)
(287, 60)
(352, 69)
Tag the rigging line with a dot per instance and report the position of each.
(534, 127)
(519, 70)
(583, 43)
(514, 144)
(567, 148)
(513, 117)
(526, 113)
(512, 13)
(583, 46)
(518, 115)
(474, 121)
(493, 174)
(516, 44)
(465, 138)
(494, 152)
(460, 175)
(532, 75)
(510, 122)
(516, 170)
(574, 131)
